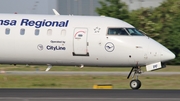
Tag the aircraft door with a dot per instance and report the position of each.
(80, 42)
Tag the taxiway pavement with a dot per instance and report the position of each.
(88, 95)
(82, 73)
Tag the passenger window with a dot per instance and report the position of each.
(63, 32)
(36, 32)
(117, 31)
(7, 31)
(49, 32)
(22, 31)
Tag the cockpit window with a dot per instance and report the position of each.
(117, 31)
(134, 32)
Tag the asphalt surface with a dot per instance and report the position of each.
(82, 73)
(88, 95)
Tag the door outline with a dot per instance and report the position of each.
(80, 36)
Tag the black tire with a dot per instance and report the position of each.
(135, 84)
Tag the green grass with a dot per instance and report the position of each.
(81, 82)
(76, 68)
(58, 81)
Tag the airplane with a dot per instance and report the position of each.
(79, 41)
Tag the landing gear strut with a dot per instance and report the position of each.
(135, 83)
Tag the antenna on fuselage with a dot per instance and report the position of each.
(55, 12)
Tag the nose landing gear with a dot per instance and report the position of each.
(135, 83)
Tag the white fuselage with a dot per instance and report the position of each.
(74, 40)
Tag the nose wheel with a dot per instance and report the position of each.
(135, 83)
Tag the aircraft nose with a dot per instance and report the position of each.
(166, 55)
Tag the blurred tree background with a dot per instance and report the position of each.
(161, 23)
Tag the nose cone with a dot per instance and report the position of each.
(166, 55)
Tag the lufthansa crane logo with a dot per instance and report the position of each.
(109, 47)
